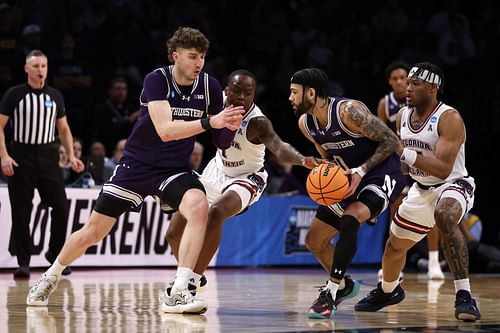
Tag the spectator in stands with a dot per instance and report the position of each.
(115, 117)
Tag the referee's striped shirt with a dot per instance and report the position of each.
(33, 113)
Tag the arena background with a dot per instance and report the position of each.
(352, 40)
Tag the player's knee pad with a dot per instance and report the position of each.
(110, 206)
(375, 203)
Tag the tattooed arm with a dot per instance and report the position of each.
(260, 130)
(358, 119)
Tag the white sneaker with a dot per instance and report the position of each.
(380, 274)
(435, 273)
(175, 301)
(40, 292)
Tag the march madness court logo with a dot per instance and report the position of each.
(299, 220)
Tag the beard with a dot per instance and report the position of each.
(302, 108)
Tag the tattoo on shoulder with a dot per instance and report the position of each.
(371, 126)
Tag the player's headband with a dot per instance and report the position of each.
(310, 77)
(426, 75)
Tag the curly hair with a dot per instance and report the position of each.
(187, 38)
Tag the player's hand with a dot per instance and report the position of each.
(230, 118)
(355, 179)
(311, 162)
(76, 164)
(8, 165)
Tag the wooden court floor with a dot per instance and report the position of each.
(240, 300)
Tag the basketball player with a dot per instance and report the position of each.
(345, 131)
(433, 137)
(177, 103)
(235, 178)
(387, 110)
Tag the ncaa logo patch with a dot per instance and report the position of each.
(49, 103)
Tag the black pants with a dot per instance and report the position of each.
(38, 168)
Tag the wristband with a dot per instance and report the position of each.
(205, 123)
(359, 170)
(408, 156)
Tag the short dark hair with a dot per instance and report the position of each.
(433, 68)
(187, 38)
(241, 72)
(35, 53)
(398, 64)
(313, 78)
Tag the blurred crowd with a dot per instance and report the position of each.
(99, 52)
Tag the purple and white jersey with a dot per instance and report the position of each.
(348, 149)
(392, 107)
(187, 103)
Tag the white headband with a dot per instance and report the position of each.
(426, 75)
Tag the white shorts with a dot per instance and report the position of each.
(249, 187)
(415, 216)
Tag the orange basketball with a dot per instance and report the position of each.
(327, 184)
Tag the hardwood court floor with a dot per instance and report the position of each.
(240, 300)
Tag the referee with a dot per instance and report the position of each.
(35, 111)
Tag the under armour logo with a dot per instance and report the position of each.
(337, 271)
(186, 98)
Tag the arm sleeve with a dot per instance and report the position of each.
(223, 137)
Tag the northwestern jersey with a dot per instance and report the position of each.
(392, 106)
(186, 102)
(348, 149)
(33, 113)
(423, 140)
(243, 156)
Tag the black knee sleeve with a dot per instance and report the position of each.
(375, 203)
(346, 246)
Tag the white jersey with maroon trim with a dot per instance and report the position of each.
(243, 156)
(423, 140)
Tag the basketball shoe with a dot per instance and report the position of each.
(182, 301)
(323, 307)
(192, 287)
(351, 290)
(40, 292)
(377, 299)
(465, 307)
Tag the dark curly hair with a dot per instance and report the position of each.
(187, 38)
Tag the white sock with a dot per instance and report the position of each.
(388, 287)
(182, 278)
(333, 288)
(434, 259)
(462, 284)
(55, 269)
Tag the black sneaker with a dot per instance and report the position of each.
(465, 307)
(67, 271)
(377, 299)
(203, 281)
(323, 307)
(23, 272)
(351, 290)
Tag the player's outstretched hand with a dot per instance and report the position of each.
(230, 117)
